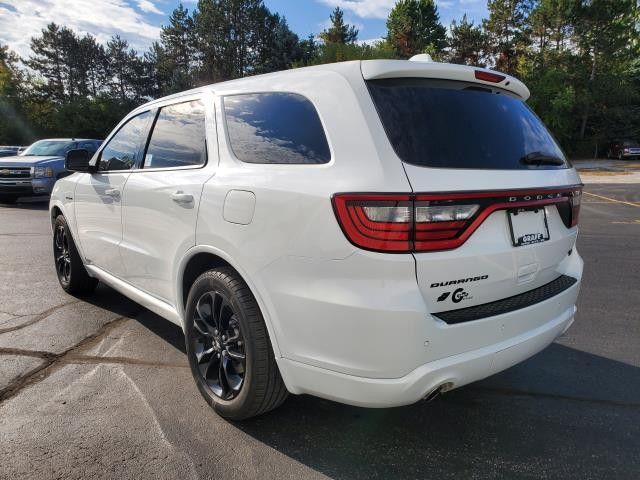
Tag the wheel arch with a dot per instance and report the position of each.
(202, 258)
(54, 213)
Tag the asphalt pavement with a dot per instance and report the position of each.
(100, 388)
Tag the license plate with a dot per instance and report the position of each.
(528, 226)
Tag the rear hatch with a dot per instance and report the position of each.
(495, 201)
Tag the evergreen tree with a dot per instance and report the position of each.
(606, 32)
(178, 59)
(280, 48)
(339, 32)
(414, 27)
(467, 43)
(228, 37)
(506, 30)
(125, 70)
(50, 59)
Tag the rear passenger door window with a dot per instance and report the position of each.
(275, 128)
(122, 150)
(178, 137)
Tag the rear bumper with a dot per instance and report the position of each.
(454, 371)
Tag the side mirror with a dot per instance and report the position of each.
(78, 161)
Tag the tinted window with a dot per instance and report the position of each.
(120, 153)
(275, 128)
(178, 138)
(448, 124)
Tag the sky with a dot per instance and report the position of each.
(139, 21)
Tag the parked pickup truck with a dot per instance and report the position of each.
(35, 170)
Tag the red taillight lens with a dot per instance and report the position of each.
(576, 197)
(436, 225)
(404, 223)
(376, 222)
(489, 77)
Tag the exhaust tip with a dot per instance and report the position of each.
(433, 394)
(436, 392)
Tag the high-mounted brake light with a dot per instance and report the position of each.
(488, 76)
(437, 221)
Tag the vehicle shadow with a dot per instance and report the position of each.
(562, 414)
(107, 298)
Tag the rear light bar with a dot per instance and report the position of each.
(488, 76)
(404, 223)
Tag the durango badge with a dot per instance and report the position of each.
(461, 280)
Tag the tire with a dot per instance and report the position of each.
(237, 388)
(8, 199)
(72, 275)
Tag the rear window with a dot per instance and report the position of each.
(450, 124)
(275, 128)
(178, 137)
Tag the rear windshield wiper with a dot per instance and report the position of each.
(538, 158)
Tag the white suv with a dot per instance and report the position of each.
(369, 232)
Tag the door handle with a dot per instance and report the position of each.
(112, 192)
(181, 197)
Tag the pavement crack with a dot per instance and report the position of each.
(52, 361)
(39, 317)
(12, 314)
(27, 353)
(91, 359)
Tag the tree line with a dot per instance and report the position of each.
(580, 59)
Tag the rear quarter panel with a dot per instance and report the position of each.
(293, 219)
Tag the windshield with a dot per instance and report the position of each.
(48, 148)
(450, 124)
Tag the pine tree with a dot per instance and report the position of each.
(507, 33)
(414, 27)
(178, 44)
(467, 43)
(49, 60)
(280, 47)
(125, 70)
(339, 32)
(228, 37)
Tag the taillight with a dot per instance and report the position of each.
(488, 76)
(438, 221)
(376, 222)
(576, 197)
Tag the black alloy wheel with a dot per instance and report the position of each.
(219, 345)
(228, 347)
(72, 275)
(62, 254)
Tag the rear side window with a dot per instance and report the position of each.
(275, 128)
(449, 124)
(121, 151)
(178, 137)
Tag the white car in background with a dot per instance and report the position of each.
(370, 232)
